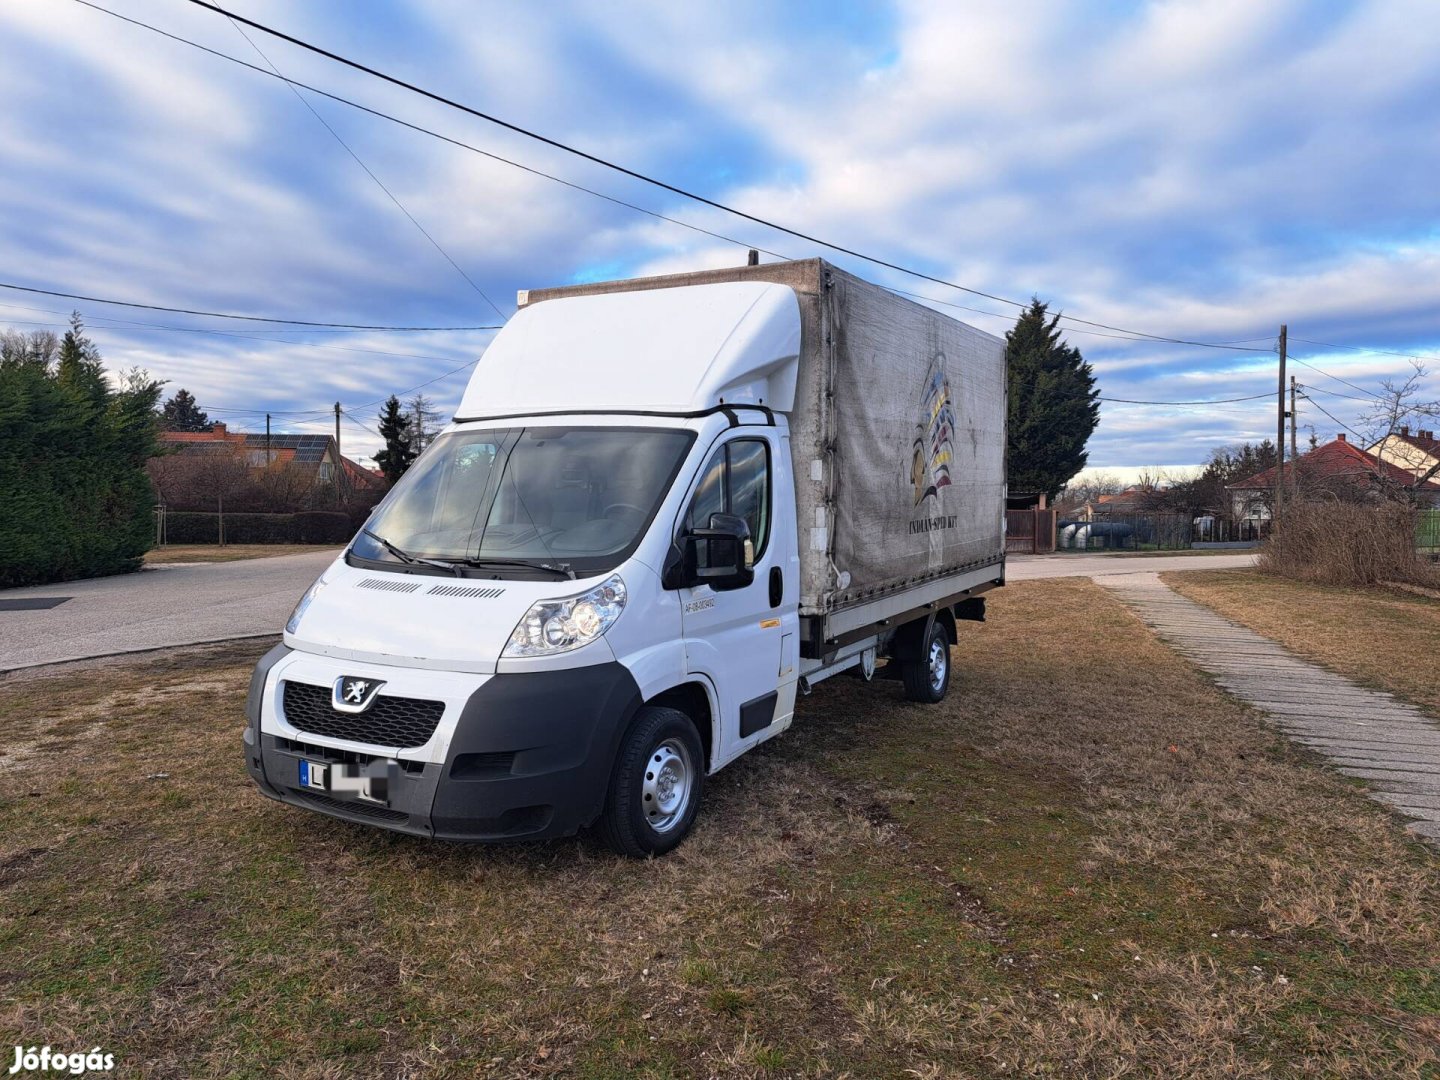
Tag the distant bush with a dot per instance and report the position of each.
(1347, 543)
(307, 527)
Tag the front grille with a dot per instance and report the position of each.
(389, 721)
(364, 809)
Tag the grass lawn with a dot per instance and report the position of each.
(1383, 638)
(192, 553)
(1154, 553)
(1088, 862)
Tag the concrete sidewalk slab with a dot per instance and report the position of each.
(1367, 734)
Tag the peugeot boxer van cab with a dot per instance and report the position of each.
(665, 509)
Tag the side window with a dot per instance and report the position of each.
(736, 480)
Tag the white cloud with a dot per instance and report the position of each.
(1203, 170)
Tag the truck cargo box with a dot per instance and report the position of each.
(897, 438)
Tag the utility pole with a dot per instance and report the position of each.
(268, 459)
(1294, 451)
(337, 430)
(1279, 497)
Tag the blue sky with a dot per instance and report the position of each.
(1197, 170)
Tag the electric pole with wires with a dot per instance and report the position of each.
(1279, 497)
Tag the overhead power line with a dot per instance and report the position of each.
(421, 129)
(398, 394)
(133, 326)
(1337, 378)
(673, 188)
(227, 315)
(1335, 419)
(1367, 349)
(1212, 401)
(1347, 397)
(368, 171)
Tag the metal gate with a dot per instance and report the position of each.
(1029, 532)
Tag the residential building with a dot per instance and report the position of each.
(1338, 467)
(316, 455)
(1418, 452)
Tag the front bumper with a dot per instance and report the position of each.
(529, 757)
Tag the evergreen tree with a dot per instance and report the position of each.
(1053, 404)
(181, 413)
(399, 451)
(72, 462)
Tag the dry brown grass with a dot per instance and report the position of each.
(193, 553)
(1335, 543)
(1088, 863)
(1383, 638)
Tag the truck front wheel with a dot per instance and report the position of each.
(655, 790)
(928, 678)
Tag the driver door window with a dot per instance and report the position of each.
(736, 480)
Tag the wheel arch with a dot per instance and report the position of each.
(946, 618)
(695, 699)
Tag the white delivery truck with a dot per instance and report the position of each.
(665, 508)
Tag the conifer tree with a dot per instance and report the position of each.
(1053, 406)
(395, 429)
(181, 413)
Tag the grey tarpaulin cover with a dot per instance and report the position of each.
(897, 435)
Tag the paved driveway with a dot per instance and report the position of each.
(168, 606)
(164, 606)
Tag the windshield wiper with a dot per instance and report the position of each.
(562, 569)
(406, 557)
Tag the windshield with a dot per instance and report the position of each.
(568, 497)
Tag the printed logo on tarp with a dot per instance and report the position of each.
(933, 449)
(933, 524)
(41, 1059)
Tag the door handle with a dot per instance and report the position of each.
(777, 586)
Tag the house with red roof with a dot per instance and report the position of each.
(316, 459)
(1338, 468)
(1418, 452)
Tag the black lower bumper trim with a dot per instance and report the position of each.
(530, 758)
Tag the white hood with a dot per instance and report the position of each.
(420, 620)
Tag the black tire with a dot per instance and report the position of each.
(661, 744)
(927, 680)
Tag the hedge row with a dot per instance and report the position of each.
(305, 527)
(74, 497)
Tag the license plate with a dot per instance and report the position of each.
(314, 775)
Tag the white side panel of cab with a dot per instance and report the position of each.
(668, 350)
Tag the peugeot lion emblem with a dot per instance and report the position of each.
(354, 694)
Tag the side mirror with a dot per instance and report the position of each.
(721, 556)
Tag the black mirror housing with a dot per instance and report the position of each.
(721, 556)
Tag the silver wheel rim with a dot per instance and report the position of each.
(666, 786)
(939, 662)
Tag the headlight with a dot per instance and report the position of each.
(293, 623)
(556, 626)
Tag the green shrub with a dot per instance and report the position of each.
(75, 500)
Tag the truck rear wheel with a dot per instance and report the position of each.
(655, 789)
(928, 678)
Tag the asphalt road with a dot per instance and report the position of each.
(1030, 567)
(160, 607)
(190, 604)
